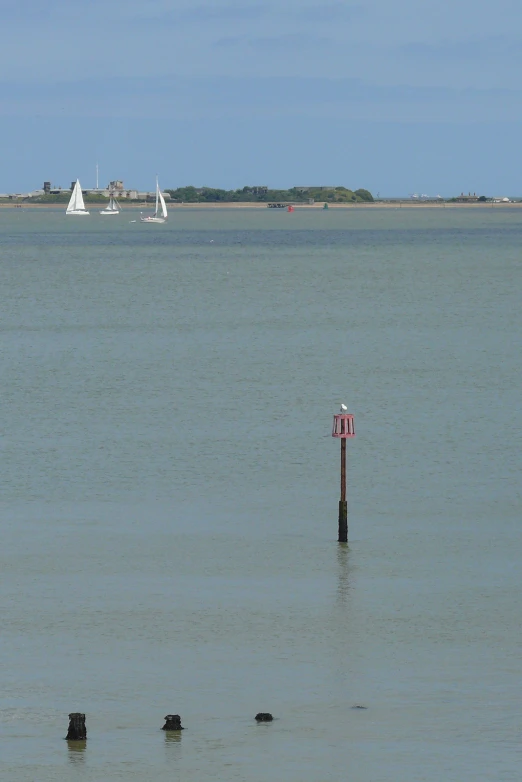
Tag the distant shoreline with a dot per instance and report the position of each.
(263, 205)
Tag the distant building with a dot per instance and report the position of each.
(21, 196)
(467, 199)
(118, 190)
(115, 188)
(49, 189)
(302, 189)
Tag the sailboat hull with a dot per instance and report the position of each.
(112, 207)
(160, 202)
(77, 212)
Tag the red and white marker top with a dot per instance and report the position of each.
(343, 425)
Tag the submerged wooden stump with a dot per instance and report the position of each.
(77, 730)
(264, 717)
(172, 722)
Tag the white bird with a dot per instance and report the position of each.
(343, 408)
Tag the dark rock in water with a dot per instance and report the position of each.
(264, 717)
(77, 730)
(172, 722)
(359, 707)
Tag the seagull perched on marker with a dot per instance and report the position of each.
(343, 408)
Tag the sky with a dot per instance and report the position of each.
(396, 96)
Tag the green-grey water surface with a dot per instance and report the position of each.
(169, 495)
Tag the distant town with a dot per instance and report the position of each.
(50, 193)
(299, 194)
(190, 194)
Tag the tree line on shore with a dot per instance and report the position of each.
(338, 195)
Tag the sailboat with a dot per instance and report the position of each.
(160, 202)
(112, 208)
(76, 205)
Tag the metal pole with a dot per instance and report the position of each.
(343, 470)
(343, 505)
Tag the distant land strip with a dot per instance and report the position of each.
(251, 205)
(204, 195)
(248, 196)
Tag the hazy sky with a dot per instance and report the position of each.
(398, 96)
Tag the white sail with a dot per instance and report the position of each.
(76, 204)
(112, 208)
(163, 205)
(160, 201)
(78, 197)
(71, 206)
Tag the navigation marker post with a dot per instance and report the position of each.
(343, 428)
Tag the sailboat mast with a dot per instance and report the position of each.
(157, 197)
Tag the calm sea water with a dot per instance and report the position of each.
(169, 495)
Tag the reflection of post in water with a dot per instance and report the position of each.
(172, 730)
(173, 746)
(76, 751)
(172, 739)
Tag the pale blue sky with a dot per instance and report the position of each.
(398, 96)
